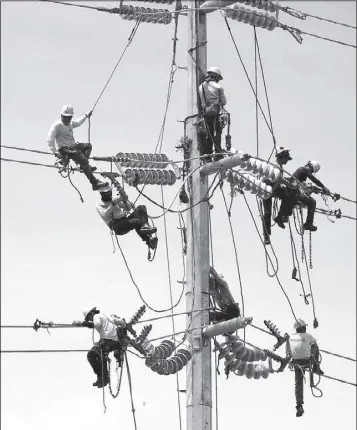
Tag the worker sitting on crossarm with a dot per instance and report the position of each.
(212, 99)
(121, 216)
(61, 142)
(282, 157)
(295, 196)
(219, 290)
(109, 341)
(304, 352)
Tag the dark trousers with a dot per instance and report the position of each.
(267, 208)
(96, 356)
(80, 154)
(133, 221)
(288, 203)
(214, 135)
(300, 367)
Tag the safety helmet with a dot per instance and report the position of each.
(299, 323)
(86, 311)
(216, 71)
(67, 110)
(315, 166)
(281, 150)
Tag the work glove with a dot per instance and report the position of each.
(326, 190)
(89, 114)
(58, 155)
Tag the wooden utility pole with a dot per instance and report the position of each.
(198, 385)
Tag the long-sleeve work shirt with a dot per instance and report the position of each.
(303, 173)
(210, 93)
(61, 135)
(115, 209)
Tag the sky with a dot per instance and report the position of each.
(57, 256)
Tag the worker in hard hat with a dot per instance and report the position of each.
(121, 216)
(109, 341)
(223, 299)
(305, 355)
(212, 100)
(296, 196)
(61, 142)
(282, 157)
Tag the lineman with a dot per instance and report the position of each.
(121, 216)
(219, 289)
(282, 157)
(294, 196)
(305, 356)
(212, 99)
(61, 142)
(108, 342)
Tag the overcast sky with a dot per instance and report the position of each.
(57, 256)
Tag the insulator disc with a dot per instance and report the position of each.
(151, 159)
(234, 366)
(166, 350)
(170, 345)
(149, 362)
(257, 371)
(162, 367)
(146, 176)
(146, 161)
(229, 360)
(161, 178)
(134, 160)
(186, 353)
(129, 176)
(231, 339)
(242, 368)
(159, 352)
(121, 158)
(155, 176)
(250, 371)
(166, 177)
(140, 158)
(136, 173)
(172, 177)
(165, 160)
(142, 176)
(128, 163)
(157, 366)
(179, 362)
(171, 367)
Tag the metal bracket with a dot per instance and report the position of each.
(196, 343)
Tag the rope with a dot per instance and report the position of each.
(130, 39)
(246, 73)
(138, 289)
(276, 275)
(171, 302)
(131, 390)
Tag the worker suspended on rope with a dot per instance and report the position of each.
(219, 290)
(113, 337)
(121, 216)
(282, 157)
(305, 356)
(61, 142)
(296, 196)
(212, 100)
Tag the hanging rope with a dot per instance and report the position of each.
(131, 390)
(130, 39)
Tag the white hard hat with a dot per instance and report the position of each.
(282, 150)
(315, 166)
(299, 323)
(86, 311)
(67, 110)
(215, 70)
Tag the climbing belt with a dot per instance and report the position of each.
(65, 170)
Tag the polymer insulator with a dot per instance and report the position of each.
(159, 1)
(263, 169)
(250, 183)
(250, 370)
(215, 4)
(257, 19)
(260, 4)
(146, 14)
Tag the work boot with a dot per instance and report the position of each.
(285, 219)
(152, 242)
(95, 384)
(309, 226)
(146, 229)
(99, 185)
(279, 221)
(102, 381)
(299, 410)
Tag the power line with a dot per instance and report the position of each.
(303, 15)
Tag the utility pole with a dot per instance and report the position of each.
(198, 377)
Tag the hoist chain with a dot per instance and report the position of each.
(121, 365)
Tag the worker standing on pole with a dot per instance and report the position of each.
(212, 100)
